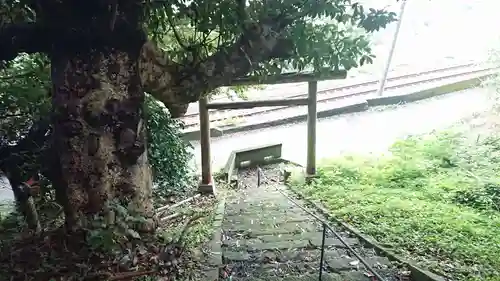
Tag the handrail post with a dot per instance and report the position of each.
(206, 185)
(311, 128)
(322, 257)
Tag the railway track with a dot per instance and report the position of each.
(354, 90)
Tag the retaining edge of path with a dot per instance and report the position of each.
(427, 93)
(215, 245)
(417, 273)
(351, 108)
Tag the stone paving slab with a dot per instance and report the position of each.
(288, 236)
(279, 245)
(272, 213)
(300, 240)
(306, 277)
(257, 230)
(271, 210)
(345, 263)
(329, 241)
(269, 205)
(273, 256)
(267, 219)
(270, 194)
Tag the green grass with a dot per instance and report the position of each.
(434, 199)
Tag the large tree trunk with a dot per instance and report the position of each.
(99, 136)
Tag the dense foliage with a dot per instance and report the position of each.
(168, 153)
(24, 95)
(320, 35)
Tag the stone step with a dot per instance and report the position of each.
(266, 220)
(357, 276)
(299, 255)
(256, 208)
(301, 240)
(287, 213)
(352, 263)
(258, 199)
(334, 242)
(335, 261)
(256, 270)
(278, 245)
(261, 194)
(287, 237)
(307, 271)
(327, 276)
(258, 196)
(256, 230)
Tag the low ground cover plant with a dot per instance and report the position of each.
(433, 199)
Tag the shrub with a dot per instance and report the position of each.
(486, 197)
(168, 153)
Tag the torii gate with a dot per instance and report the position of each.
(206, 184)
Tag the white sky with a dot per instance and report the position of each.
(461, 29)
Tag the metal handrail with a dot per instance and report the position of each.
(260, 175)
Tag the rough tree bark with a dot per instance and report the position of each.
(99, 133)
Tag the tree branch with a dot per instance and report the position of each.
(23, 38)
(260, 42)
(156, 71)
(177, 86)
(176, 33)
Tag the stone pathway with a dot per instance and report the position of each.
(266, 237)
